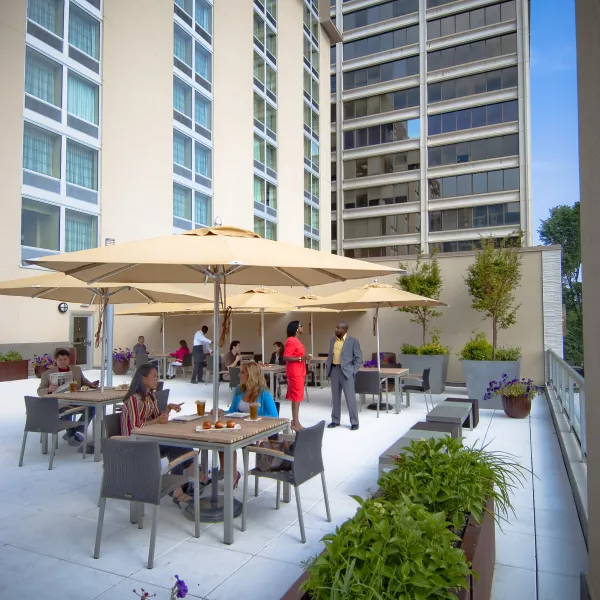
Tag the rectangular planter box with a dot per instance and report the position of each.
(13, 370)
(479, 373)
(479, 546)
(437, 363)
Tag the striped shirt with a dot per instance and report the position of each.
(136, 411)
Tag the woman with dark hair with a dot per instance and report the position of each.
(178, 356)
(295, 359)
(140, 409)
(277, 356)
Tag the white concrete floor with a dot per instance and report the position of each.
(48, 518)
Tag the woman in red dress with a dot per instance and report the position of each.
(295, 358)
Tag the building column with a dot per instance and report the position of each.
(588, 76)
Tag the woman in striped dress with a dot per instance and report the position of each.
(140, 409)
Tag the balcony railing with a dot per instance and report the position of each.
(569, 387)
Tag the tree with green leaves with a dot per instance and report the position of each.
(425, 279)
(563, 227)
(492, 280)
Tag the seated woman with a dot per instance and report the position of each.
(252, 388)
(183, 350)
(140, 409)
(74, 437)
(277, 356)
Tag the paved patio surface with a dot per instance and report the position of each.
(48, 518)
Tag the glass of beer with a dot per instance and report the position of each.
(200, 407)
(254, 410)
(72, 386)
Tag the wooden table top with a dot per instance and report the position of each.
(317, 359)
(187, 430)
(91, 396)
(387, 370)
(273, 368)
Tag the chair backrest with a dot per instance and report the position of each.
(162, 399)
(160, 386)
(112, 425)
(323, 354)
(308, 453)
(426, 386)
(187, 360)
(277, 406)
(368, 382)
(141, 359)
(234, 377)
(42, 414)
(132, 471)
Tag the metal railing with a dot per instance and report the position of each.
(569, 387)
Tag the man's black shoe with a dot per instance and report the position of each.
(332, 425)
(354, 428)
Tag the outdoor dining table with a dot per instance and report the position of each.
(163, 358)
(396, 373)
(272, 370)
(320, 361)
(98, 399)
(184, 434)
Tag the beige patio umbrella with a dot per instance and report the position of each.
(376, 295)
(63, 288)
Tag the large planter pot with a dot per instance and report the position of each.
(13, 370)
(516, 407)
(479, 373)
(438, 363)
(120, 367)
(39, 370)
(479, 546)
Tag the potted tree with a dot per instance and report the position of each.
(13, 366)
(492, 280)
(121, 360)
(425, 279)
(41, 363)
(516, 395)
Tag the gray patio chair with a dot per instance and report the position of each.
(186, 364)
(307, 462)
(112, 425)
(44, 417)
(132, 472)
(162, 399)
(419, 389)
(368, 382)
(234, 378)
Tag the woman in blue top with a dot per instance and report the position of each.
(252, 388)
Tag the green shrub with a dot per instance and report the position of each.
(10, 356)
(433, 349)
(389, 551)
(477, 348)
(445, 476)
(409, 349)
(508, 353)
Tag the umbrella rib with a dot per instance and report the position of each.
(44, 292)
(330, 274)
(199, 269)
(144, 295)
(294, 279)
(106, 275)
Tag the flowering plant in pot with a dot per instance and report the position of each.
(41, 363)
(516, 394)
(120, 360)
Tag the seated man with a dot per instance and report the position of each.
(74, 437)
(232, 358)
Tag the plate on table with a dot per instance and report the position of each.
(201, 429)
(184, 418)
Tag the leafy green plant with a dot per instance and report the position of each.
(389, 551)
(492, 280)
(409, 349)
(445, 476)
(433, 348)
(480, 348)
(424, 280)
(10, 356)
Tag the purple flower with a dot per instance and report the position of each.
(179, 590)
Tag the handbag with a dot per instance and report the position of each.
(266, 462)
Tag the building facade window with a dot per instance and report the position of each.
(463, 152)
(474, 184)
(397, 193)
(383, 103)
(265, 228)
(82, 165)
(43, 78)
(41, 151)
(81, 231)
(182, 46)
(48, 14)
(203, 62)
(384, 42)
(376, 227)
(474, 217)
(379, 165)
(379, 12)
(471, 118)
(182, 150)
(40, 225)
(84, 32)
(382, 134)
(389, 71)
(202, 111)
(182, 97)
(383, 251)
(82, 98)
(203, 15)
(471, 85)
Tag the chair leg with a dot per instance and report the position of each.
(85, 417)
(245, 489)
(278, 499)
(300, 515)
(139, 509)
(256, 490)
(431, 400)
(99, 529)
(52, 450)
(23, 448)
(325, 497)
(153, 536)
(56, 443)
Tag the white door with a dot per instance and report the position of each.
(82, 337)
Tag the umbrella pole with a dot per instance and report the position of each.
(164, 360)
(312, 337)
(103, 354)
(262, 334)
(378, 357)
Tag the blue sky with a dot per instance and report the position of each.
(554, 139)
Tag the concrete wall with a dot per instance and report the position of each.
(457, 322)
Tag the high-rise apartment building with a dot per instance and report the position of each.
(430, 125)
(125, 119)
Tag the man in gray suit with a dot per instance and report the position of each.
(343, 363)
